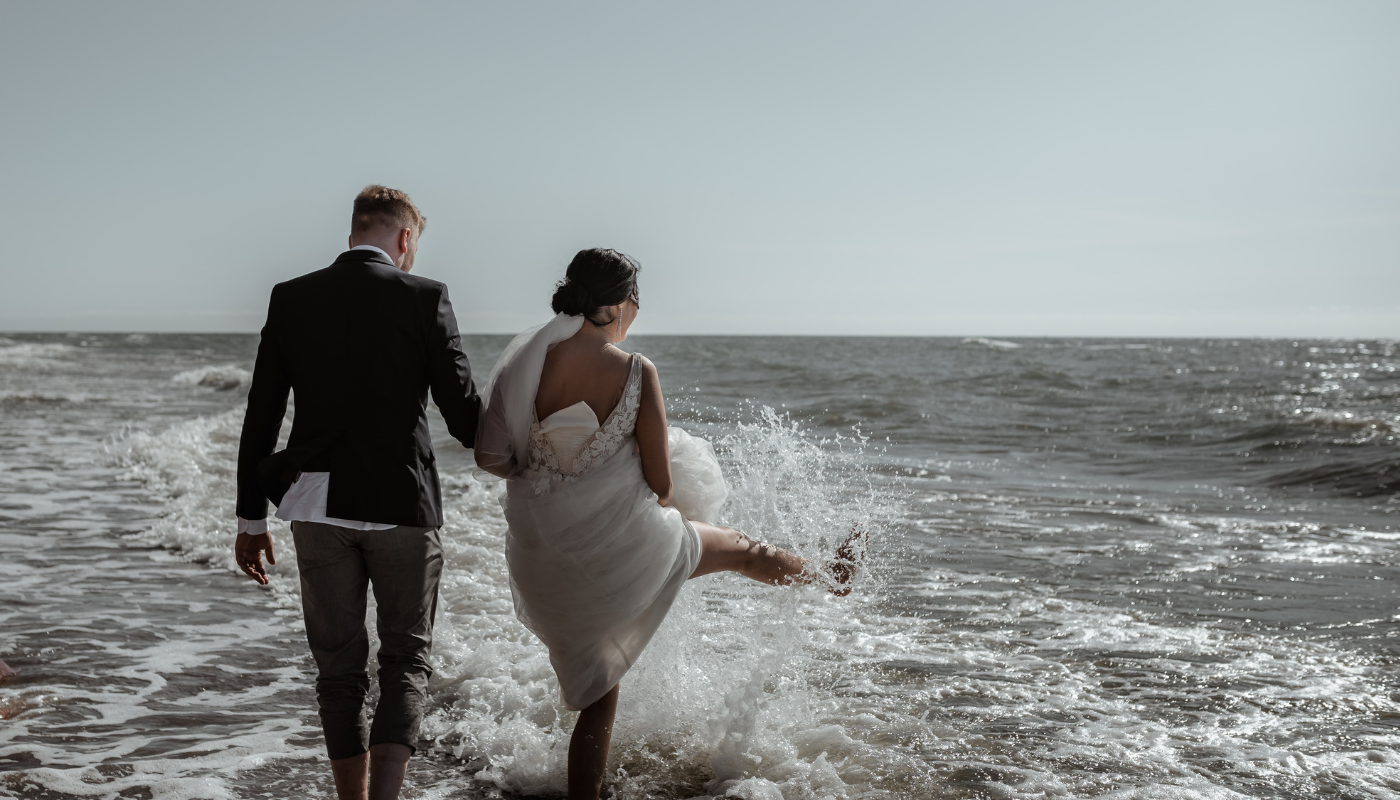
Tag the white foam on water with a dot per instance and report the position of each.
(760, 692)
(1155, 700)
(1128, 346)
(47, 397)
(1150, 697)
(151, 779)
(722, 695)
(90, 764)
(33, 356)
(156, 664)
(1355, 422)
(192, 466)
(222, 376)
(995, 344)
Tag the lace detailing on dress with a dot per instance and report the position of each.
(546, 470)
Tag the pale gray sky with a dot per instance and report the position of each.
(985, 168)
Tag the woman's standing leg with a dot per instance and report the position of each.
(728, 550)
(588, 748)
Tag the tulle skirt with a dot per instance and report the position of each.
(596, 564)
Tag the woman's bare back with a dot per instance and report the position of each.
(579, 369)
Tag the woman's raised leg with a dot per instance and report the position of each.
(588, 747)
(728, 550)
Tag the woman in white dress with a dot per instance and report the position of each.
(597, 547)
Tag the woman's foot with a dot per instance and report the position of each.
(850, 557)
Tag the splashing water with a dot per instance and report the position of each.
(725, 685)
(724, 695)
(1110, 569)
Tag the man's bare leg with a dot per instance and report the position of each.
(373, 775)
(387, 765)
(588, 747)
(351, 777)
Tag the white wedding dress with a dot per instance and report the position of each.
(595, 562)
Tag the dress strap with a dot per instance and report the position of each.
(633, 378)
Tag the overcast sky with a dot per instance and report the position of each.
(983, 168)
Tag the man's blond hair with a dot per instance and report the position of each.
(381, 206)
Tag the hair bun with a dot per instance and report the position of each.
(571, 298)
(596, 279)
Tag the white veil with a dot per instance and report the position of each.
(502, 438)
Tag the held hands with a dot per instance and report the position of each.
(248, 550)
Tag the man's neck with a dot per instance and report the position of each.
(387, 248)
(373, 249)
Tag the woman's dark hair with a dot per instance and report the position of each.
(596, 279)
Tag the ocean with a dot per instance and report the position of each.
(1099, 568)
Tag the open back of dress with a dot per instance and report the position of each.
(595, 562)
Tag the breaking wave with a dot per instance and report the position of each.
(732, 694)
(224, 377)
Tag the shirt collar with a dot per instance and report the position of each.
(372, 247)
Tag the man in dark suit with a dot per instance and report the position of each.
(360, 343)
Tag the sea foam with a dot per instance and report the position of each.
(223, 377)
(723, 700)
(33, 356)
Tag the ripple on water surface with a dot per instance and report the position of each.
(1089, 580)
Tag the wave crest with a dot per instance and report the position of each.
(33, 354)
(995, 344)
(726, 698)
(224, 377)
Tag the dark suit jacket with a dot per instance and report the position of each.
(360, 343)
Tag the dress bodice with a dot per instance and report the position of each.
(568, 442)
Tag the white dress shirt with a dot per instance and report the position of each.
(375, 249)
(305, 501)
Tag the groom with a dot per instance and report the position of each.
(360, 343)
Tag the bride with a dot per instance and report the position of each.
(602, 534)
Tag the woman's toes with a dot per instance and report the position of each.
(849, 558)
(856, 544)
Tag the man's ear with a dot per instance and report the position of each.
(405, 236)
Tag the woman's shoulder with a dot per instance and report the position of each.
(649, 379)
(619, 362)
(638, 363)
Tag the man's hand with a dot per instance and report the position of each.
(248, 552)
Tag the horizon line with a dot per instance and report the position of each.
(989, 338)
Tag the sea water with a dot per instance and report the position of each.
(1128, 569)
